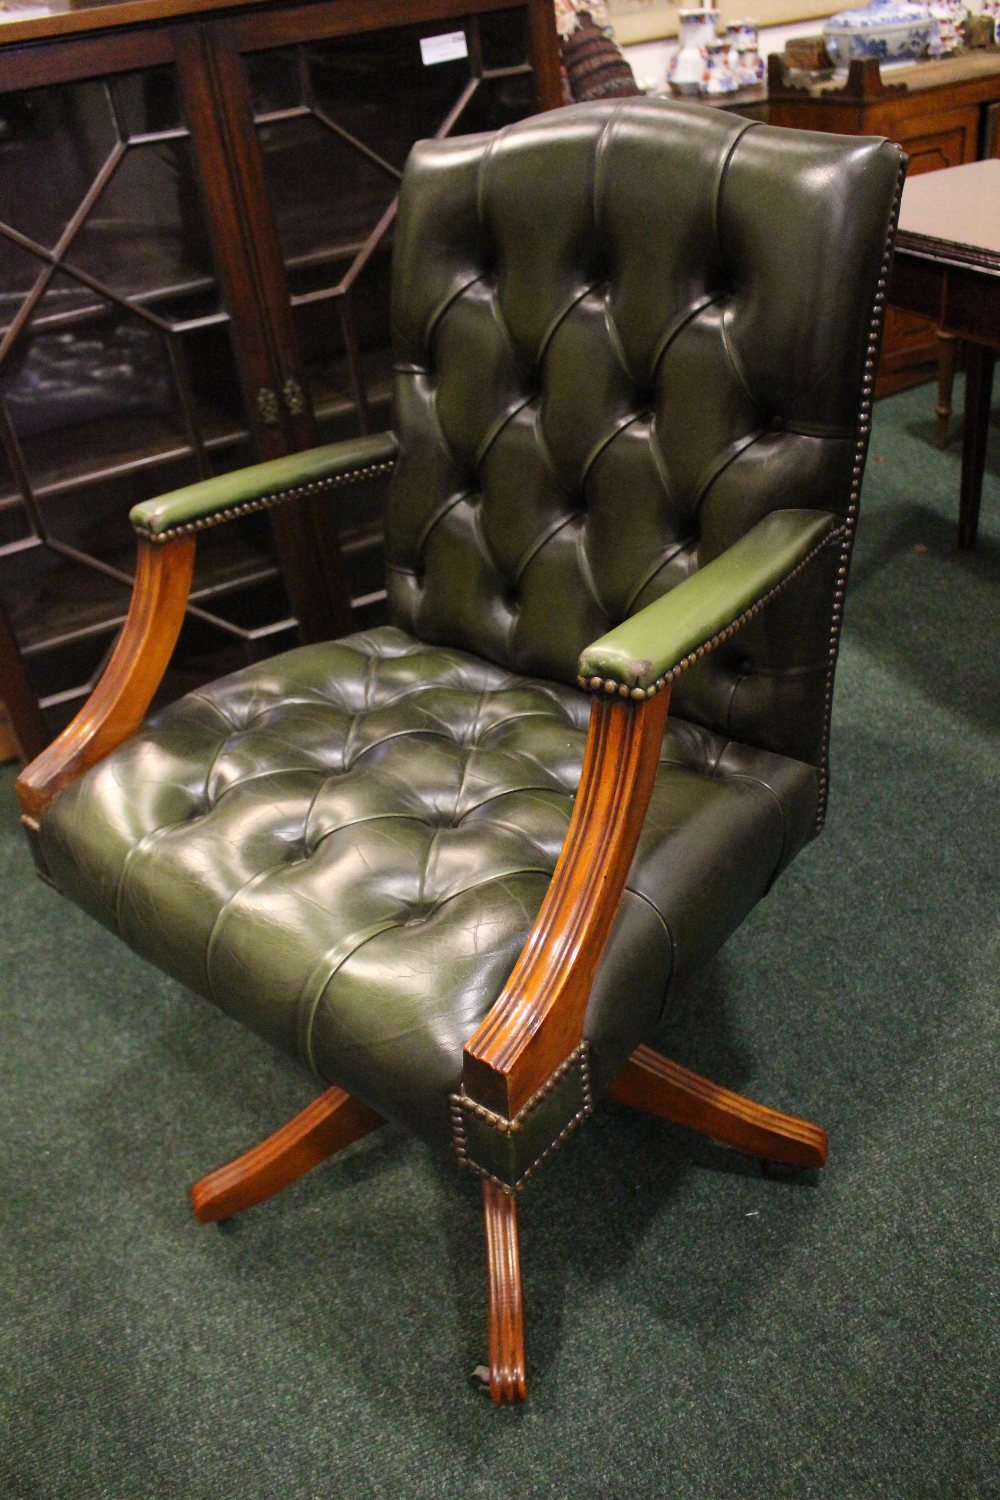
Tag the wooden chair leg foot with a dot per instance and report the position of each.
(505, 1307)
(325, 1126)
(660, 1087)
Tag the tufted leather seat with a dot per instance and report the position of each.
(345, 849)
(634, 349)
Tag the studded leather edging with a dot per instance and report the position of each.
(609, 685)
(860, 453)
(461, 1102)
(267, 502)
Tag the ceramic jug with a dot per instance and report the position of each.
(696, 31)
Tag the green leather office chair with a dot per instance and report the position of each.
(456, 864)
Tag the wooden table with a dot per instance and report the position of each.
(942, 112)
(947, 267)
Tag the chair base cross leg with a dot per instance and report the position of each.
(331, 1122)
(658, 1086)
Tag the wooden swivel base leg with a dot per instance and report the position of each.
(506, 1313)
(324, 1127)
(660, 1087)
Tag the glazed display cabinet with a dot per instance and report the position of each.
(196, 209)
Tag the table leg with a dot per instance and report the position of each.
(947, 350)
(979, 360)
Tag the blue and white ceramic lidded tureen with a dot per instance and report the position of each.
(891, 30)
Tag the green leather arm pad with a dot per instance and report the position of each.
(666, 636)
(197, 505)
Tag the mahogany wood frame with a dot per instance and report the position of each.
(537, 1020)
(115, 708)
(658, 1086)
(329, 1123)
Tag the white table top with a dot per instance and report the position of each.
(958, 205)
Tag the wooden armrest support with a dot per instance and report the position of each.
(165, 529)
(116, 706)
(538, 1019)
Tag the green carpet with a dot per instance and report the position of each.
(693, 1329)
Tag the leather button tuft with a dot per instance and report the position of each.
(437, 818)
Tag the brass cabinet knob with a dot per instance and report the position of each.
(295, 397)
(267, 406)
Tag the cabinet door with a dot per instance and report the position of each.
(118, 374)
(321, 117)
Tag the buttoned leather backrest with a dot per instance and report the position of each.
(622, 334)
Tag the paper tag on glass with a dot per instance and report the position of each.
(444, 48)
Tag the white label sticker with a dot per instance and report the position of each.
(443, 48)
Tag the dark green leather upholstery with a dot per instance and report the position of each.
(657, 643)
(624, 336)
(663, 302)
(344, 847)
(211, 500)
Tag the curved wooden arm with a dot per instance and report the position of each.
(116, 706)
(538, 1019)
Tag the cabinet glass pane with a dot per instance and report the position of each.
(145, 237)
(19, 271)
(301, 152)
(146, 102)
(504, 39)
(54, 144)
(118, 379)
(344, 114)
(335, 121)
(15, 524)
(62, 374)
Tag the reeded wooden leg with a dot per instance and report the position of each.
(324, 1127)
(660, 1087)
(506, 1314)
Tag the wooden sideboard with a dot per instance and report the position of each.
(942, 113)
(196, 205)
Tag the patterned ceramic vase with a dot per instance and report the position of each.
(745, 61)
(718, 77)
(949, 16)
(687, 68)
